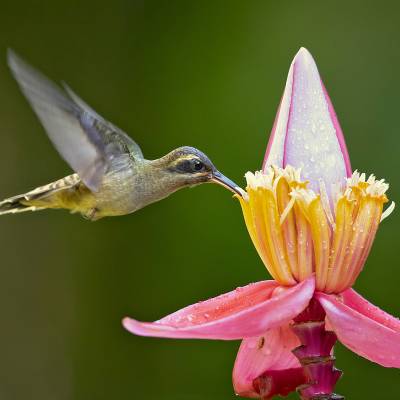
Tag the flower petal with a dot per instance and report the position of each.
(306, 132)
(363, 327)
(245, 312)
(268, 357)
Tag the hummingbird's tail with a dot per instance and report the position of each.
(58, 194)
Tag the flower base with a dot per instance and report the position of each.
(315, 354)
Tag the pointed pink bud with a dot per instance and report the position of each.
(306, 133)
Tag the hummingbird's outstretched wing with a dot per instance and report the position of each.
(86, 141)
(111, 134)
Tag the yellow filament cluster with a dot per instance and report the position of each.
(298, 232)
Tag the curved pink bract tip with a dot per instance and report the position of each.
(269, 355)
(306, 132)
(245, 312)
(363, 327)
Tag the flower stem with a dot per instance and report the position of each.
(315, 354)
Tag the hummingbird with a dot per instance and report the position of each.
(111, 176)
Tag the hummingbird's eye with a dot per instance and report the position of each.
(191, 166)
(198, 165)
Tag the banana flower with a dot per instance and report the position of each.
(312, 221)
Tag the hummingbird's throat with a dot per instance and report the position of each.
(298, 232)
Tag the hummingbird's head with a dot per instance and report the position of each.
(190, 167)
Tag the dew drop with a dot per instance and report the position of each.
(267, 351)
(313, 128)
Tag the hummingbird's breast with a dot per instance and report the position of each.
(118, 194)
(128, 187)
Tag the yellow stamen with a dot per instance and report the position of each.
(288, 223)
(342, 235)
(304, 244)
(298, 232)
(321, 239)
(275, 236)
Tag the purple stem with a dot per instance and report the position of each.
(315, 354)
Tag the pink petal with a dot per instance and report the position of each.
(306, 132)
(363, 327)
(244, 312)
(269, 356)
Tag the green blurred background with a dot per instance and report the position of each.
(207, 74)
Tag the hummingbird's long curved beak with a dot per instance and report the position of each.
(222, 180)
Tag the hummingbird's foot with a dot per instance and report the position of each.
(91, 214)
